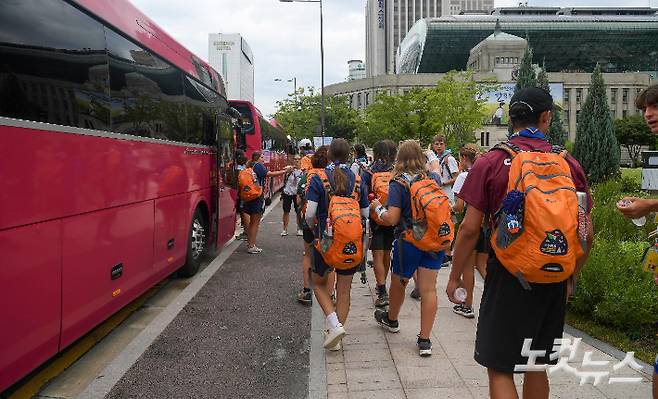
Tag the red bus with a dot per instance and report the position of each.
(116, 169)
(257, 134)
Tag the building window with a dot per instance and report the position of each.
(624, 97)
(613, 96)
(484, 139)
(579, 95)
(624, 113)
(577, 116)
(566, 96)
(613, 114)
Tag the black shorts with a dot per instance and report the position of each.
(319, 267)
(382, 237)
(289, 200)
(255, 207)
(509, 314)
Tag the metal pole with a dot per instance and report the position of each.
(294, 80)
(322, 110)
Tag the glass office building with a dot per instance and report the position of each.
(566, 43)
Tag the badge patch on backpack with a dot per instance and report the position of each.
(350, 249)
(554, 244)
(444, 230)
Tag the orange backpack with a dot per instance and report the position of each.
(305, 163)
(341, 242)
(309, 176)
(432, 229)
(535, 233)
(379, 183)
(248, 186)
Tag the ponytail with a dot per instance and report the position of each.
(339, 153)
(255, 156)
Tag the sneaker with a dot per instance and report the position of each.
(381, 301)
(334, 336)
(389, 325)
(284, 233)
(254, 250)
(305, 297)
(336, 347)
(463, 311)
(424, 347)
(415, 294)
(241, 237)
(300, 233)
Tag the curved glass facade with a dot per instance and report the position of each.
(565, 43)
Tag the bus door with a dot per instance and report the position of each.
(227, 184)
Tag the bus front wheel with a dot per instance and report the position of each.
(197, 245)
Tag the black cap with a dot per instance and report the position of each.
(531, 100)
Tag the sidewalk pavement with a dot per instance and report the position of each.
(379, 365)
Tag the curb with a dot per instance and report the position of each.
(606, 348)
(317, 376)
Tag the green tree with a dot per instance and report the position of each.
(633, 133)
(299, 115)
(556, 134)
(397, 117)
(596, 145)
(526, 77)
(450, 108)
(455, 109)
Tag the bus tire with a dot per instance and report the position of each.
(197, 245)
(268, 197)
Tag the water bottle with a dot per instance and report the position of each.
(460, 294)
(330, 228)
(641, 221)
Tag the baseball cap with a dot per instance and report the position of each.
(531, 100)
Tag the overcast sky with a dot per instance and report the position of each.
(284, 37)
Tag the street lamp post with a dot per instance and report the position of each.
(322, 109)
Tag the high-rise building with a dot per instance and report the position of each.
(388, 21)
(357, 70)
(231, 56)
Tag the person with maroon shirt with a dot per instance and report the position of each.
(509, 313)
(634, 208)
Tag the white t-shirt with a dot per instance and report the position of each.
(459, 182)
(448, 168)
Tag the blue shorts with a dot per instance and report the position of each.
(254, 207)
(413, 258)
(655, 366)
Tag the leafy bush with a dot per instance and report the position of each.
(614, 289)
(612, 286)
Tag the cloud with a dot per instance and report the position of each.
(284, 37)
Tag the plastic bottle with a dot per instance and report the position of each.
(639, 221)
(460, 294)
(330, 228)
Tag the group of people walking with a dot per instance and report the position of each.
(524, 226)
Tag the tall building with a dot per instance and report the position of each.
(357, 70)
(388, 21)
(231, 56)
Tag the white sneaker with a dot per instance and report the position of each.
(300, 233)
(254, 250)
(284, 233)
(334, 336)
(336, 348)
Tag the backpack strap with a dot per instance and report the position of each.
(561, 151)
(511, 149)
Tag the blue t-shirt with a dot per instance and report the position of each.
(317, 194)
(261, 173)
(399, 197)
